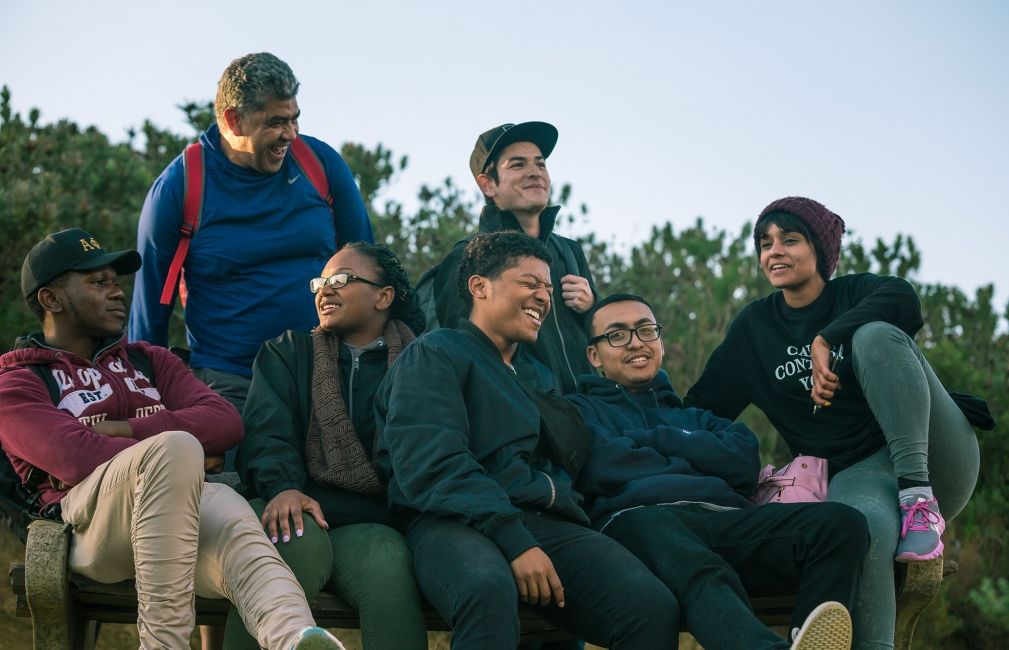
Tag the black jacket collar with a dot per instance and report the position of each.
(492, 219)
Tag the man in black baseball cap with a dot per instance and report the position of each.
(508, 163)
(113, 439)
(70, 250)
(493, 142)
(56, 280)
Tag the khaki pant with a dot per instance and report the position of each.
(147, 514)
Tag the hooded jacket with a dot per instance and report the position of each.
(647, 449)
(562, 341)
(59, 440)
(459, 437)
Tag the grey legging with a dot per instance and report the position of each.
(928, 438)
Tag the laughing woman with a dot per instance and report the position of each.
(307, 453)
(834, 366)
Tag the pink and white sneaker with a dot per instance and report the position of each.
(921, 529)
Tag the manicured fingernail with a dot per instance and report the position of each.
(299, 532)
(274, 539)
(287, 538)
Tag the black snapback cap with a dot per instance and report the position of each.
(71, 250)
(490, 143)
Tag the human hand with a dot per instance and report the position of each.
(825, 382)
(537, 581)
(576, 293)
(288, 506)
(113, 428)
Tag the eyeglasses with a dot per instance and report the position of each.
(338, 281)
(622, 337)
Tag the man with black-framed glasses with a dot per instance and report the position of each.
(673, 485)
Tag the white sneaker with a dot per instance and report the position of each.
(316, 638)
(828, 627)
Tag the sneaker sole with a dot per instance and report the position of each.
(317, 642)
(914, 557)
(828, 628)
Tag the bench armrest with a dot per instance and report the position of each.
(47, 587)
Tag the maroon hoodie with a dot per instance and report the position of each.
(59, 440)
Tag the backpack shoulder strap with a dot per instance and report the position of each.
(35, 475)
(424, 289)
(192, 209)
(42, 372)
(142, 362)
(311, 166)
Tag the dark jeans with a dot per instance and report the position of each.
(711, 560)
(231, 387)
(611, 599)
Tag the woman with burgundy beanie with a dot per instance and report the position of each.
(834, 366)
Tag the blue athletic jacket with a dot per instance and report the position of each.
(647, 449)
(261, 238)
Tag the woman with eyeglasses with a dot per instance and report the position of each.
(308, 448)
(834, 366)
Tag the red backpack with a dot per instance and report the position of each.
(192, 205)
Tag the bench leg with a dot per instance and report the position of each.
(921, 583)
(46, 586)
(85, 634)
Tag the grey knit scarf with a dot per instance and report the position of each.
(334, 453)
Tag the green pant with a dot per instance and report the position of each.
(367, 565)
(927, 438)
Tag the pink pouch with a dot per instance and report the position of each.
(802, 480)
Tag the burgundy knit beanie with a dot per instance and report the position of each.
(825, 226)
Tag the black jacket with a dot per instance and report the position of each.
(765, 360)
(459, 437)
(271, 459)
(562, 341)
(647, 449)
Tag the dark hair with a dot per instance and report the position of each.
(250, 81)
(491, 171)
(404, 305)
(590, 315)
(491, 253)
(788, 222)
(36, 308)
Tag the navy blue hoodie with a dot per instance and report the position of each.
(647, 449)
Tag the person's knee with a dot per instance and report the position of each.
(486, 591)
(882, 523)
(655, 600)
(841, 519)
(840, 526)
(878, 340)
(379, 551)
(178, 452)
(310, 557)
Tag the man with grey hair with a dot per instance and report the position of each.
(264, 227)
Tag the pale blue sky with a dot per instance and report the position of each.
(892, 114)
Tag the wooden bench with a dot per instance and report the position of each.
(65, 607)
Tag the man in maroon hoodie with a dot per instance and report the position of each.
(121, 459)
